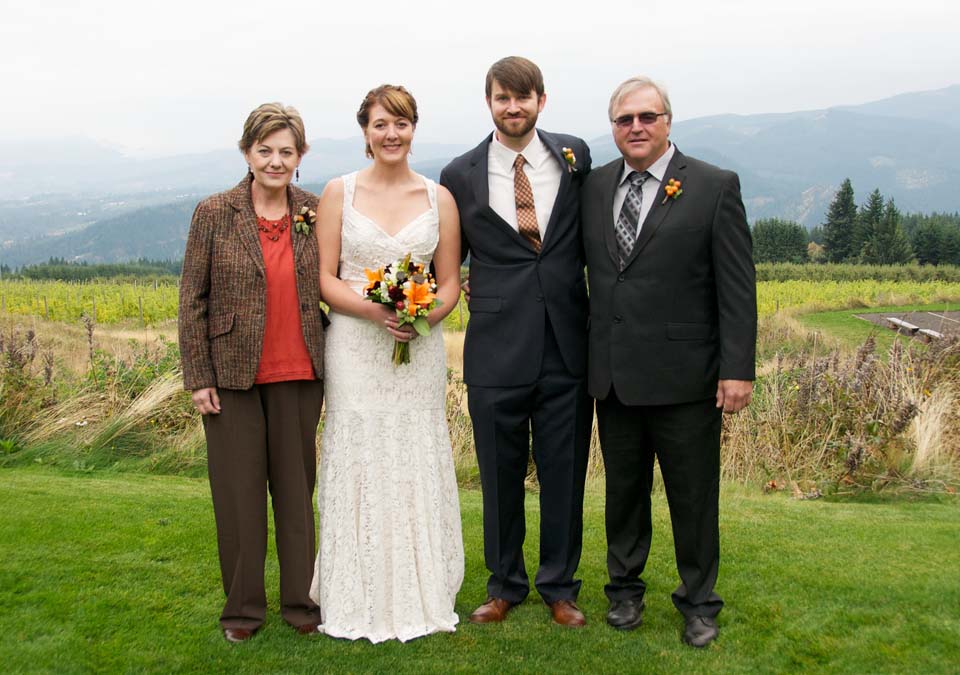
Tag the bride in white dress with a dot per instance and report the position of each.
(390, 558)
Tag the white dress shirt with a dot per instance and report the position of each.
(650, 186)
(543, 171)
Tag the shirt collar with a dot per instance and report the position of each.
(535, 152)
(658, 169)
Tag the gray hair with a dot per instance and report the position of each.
(630, 86)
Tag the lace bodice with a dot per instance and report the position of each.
(364, 244)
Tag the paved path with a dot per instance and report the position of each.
(947, 323)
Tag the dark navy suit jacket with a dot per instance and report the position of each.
(513, 289)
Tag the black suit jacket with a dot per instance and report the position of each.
(513, 289)
(683, 312)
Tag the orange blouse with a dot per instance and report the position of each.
(284, 356)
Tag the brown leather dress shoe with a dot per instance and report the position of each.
(566, 613)
(237, 634)
(494, 610)
(308, 628)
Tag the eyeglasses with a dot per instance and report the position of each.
(646, 119)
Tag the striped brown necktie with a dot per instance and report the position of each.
(526, 212)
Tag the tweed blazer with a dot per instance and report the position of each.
(223, 291)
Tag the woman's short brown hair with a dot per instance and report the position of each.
(395, 100)
(271, 117)
(515, 74)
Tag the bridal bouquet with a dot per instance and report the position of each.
(410, 290)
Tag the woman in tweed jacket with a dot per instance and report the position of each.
(251, 341)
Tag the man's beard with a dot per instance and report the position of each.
(529, 123)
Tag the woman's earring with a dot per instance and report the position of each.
(298, 174)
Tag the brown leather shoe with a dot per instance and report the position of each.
(494, 610)
(308, 628)
(566, 613)
(237, 634)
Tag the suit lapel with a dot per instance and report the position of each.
(606, 201)
(661, 206)
(480, 181)
(297, 199)
(566, 178)
(245, 220)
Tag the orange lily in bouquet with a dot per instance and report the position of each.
(410, 290)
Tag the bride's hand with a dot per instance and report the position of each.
(386, 317)
(403, 333)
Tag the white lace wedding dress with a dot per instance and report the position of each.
(390, 558)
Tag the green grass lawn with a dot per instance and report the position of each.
(118, 573)
(851, 331)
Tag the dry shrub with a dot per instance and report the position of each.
(851, 422)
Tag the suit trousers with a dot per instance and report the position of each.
(685, 439)
(556, 411)
(265, 437)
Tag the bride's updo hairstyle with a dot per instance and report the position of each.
(395, 100)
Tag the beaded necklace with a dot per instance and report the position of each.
(273, 228)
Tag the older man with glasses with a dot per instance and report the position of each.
(673, 321)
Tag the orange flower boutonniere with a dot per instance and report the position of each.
(569, 158)
(673, 190)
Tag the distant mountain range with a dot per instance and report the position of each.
(78, 199)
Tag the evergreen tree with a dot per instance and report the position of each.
(868, 222)
(776, 240)
(887, 244)
(816, 235)
(950, 246)
(838, 231)
(935, 237)
(927, 242)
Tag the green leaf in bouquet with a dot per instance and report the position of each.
(421, 326)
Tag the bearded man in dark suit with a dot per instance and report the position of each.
(673, 323)
(524, 355)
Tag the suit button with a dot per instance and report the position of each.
(539, 297)
(300, 269)
(304, 306)
(618, 319)
(621, 278)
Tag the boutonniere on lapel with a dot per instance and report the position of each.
(570, 159)
(673, 190)
(306, 219)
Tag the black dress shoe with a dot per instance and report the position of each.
(700, 631)
(625, 614)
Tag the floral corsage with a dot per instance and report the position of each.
(305, 220)
(570, 158)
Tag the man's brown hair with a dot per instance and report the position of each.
(516, 74)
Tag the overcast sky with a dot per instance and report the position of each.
(182, 76)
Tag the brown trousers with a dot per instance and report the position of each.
(265, 437)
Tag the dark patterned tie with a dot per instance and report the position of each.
(526, 212)
(627, 224)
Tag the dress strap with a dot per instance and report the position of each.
(349, 185)
(432, 194)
